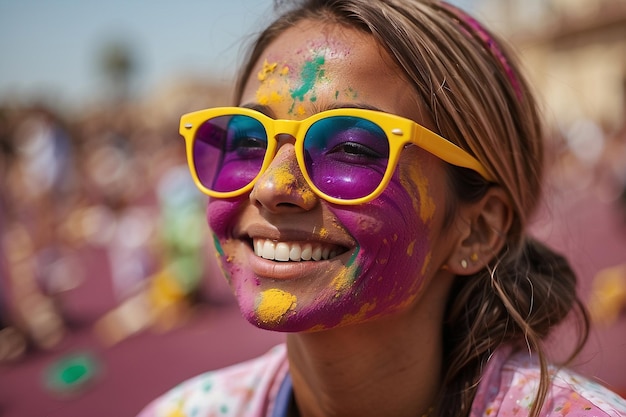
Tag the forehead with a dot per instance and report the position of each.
(314, 65)
(313, 39)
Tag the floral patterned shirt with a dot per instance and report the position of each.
(257, 388)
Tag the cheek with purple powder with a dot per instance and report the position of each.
(394, 236)
(221, 217)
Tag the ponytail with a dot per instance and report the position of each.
(516, 301)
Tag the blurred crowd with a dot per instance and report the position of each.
(587, 162)
(590, 157)
(111, 178)
(115, 178)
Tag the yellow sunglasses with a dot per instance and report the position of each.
(347, 156)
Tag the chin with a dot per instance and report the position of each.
(321, 317)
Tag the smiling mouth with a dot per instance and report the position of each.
(294, 251)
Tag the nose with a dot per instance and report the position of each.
(282, 188)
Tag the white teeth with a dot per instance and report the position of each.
(286, 251)
(282, 252)
(268, 249)
(307, 250)
(296, 252)
(317, 253)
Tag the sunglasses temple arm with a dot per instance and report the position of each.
(448, 151)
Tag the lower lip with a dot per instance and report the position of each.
(289, 270)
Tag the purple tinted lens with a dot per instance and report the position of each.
(346, 157)
(228, 152)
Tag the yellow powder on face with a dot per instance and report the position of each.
(426, 262)
(412, 294)
(265, 95)
(266, 70)
(300, 110)
(273, 304)
(273, 88)
(284, 181)
(416, 179)
(383, 261)
(409, 249)
(318, 327)
(307, 196)
(427, 204)
(276, 97)
(263, 100)
(360, 315)
(343, 279)
(402, 305)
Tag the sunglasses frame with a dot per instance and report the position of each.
(399, 131)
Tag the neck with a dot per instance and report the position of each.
(391, 366)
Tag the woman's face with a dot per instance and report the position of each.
(378, 258)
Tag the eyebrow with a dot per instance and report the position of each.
(267, 110)
(363, 106)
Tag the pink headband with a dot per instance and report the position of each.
(468, 22)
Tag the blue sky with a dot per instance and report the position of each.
(51, 47)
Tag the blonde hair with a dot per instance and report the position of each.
(478, 100)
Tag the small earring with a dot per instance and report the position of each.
(464, 263)
(474, 257)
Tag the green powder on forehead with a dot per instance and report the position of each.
(311, 72)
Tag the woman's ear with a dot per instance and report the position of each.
(483, 226)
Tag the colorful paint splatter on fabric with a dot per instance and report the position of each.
(506, 389)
